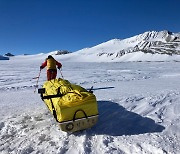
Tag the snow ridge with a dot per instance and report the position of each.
(148, 46)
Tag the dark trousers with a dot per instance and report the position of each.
(51, 74)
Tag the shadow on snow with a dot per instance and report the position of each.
(115, 120)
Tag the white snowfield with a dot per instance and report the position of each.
(138, 102)
(138, 99)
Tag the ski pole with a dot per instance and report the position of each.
(61, 72)
(37, 81)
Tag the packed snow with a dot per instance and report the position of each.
(138, 104)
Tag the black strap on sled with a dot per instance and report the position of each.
(42, 91)
(74, 117)
(54, 111)
(51, 96)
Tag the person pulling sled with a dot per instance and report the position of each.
(51, 64)
(72, 106)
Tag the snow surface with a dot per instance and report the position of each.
(138, 104)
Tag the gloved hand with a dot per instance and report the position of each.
(59, 68)
(41, 67)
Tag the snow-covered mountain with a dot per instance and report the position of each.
(137, 48)
(59, 52)
(3, 58)
(148, 46)
(9, 54)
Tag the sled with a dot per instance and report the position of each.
(73, 107)
(78, 124)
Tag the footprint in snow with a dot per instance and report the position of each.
(38, 118)
(1, 125)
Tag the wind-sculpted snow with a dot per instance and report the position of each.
(138, 108)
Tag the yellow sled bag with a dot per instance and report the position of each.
(71, 105)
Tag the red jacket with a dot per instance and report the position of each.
(51, 64)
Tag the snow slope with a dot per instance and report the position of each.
(149, 46)
(138, 105)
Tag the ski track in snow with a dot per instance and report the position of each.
(138, 105)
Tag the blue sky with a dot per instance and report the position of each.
(34, 26)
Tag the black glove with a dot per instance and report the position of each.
(59, 68)
(41, 67)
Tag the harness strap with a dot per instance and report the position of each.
(54, 111)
